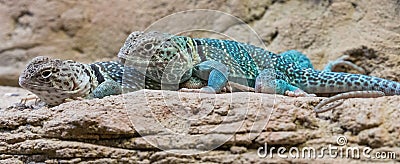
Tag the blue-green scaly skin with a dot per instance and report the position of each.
(292, 70)
(292, 67)
(313, 81)
(295, 69)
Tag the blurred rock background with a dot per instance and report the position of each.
(100, 131)
(94, 30)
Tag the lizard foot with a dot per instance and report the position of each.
(75, 98)
(189, 90)
(229, 88)
(239, 87)
(354, 94)
(28, 98)
(299, 93)
(205, 89)
(332, 66)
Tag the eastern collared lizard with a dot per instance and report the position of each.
(169, 59)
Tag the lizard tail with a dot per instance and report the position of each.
(313, 81)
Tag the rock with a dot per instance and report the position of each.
(131, 128)
(238, 149)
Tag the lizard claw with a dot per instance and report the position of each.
(224, 90)
(205, 89)
(342, 96)
(73, 99)
(240, 87)
(299, 93)
(28, 98)
(189, 90)
(332, 66)
(208, 90)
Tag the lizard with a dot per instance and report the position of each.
(105, 78)
(169, 59)
(56, 81)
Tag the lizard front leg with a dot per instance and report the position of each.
(215, 73)
(106, 88)
(194, 84)
(266, 82)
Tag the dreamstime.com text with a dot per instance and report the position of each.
(330, 151)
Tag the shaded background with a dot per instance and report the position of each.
(94, 30)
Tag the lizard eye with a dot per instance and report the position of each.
(148, 46)
(46, 74)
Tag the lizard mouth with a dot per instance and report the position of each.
(21, 81)
(74, 86)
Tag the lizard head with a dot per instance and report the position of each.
(162, 57)
(54, 80)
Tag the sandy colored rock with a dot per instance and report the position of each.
(104, 130)
(12, 95)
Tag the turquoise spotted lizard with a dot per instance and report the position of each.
(169, 59)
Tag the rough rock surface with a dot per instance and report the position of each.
(103, 130)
